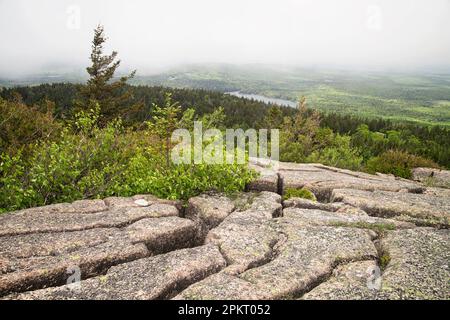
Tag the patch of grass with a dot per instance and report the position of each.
(433, 182)
(299, 193)
(377, 227)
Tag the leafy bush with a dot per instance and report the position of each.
(299, 193)
(340, 154)
(337, 157)
(21, 125)
(372, 143)
(298, 133)
(145, 174)
(82, 163)
(398, 163)
(92, 162)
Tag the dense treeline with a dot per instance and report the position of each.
(239, 111)
(432, 142)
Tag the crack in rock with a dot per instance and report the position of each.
(157, 277)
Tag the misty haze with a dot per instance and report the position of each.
(225, 150)
(46, 35)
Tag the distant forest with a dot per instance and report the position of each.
(422, 98)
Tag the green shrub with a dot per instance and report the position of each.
(91, 162)
(12, 194)
(145, 174)
(82, 163)
(317, 145)
(340, 154)
(398, 163)
(21, 125)
(384, 259)
(299, 193)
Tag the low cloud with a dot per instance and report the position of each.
(49, 35)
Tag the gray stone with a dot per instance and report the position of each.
(33, 221)
(157, 277)
(308, 256)
(422, 209)
(267, 180)
(163, 234)
(243, 237)
(310, 204)
(80, 206)
(243, 241)
(53, 244)
(221, 286)
(418, 268)
(39, 245)
(332, 207)
(90, 259)
(209, 210)
(267, 203)
(305, 256)
(322, 180)
(151, 199)
(438, 192)
(346, 219)
(352, 281)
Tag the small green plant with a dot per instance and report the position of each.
(384, 259)
(433, 182)
(299, 193)
(377, 227)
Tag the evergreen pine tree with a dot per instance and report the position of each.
(111, 95)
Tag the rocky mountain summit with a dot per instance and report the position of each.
(366, 237)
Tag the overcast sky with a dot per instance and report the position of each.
(41, 35)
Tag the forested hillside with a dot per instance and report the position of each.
(239, 112)
(406, 96)
(374, 136)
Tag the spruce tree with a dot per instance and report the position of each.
(112, 96)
